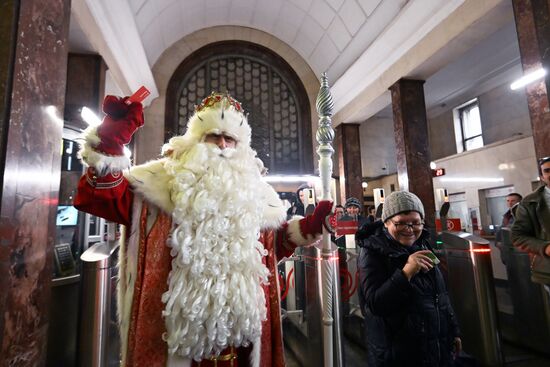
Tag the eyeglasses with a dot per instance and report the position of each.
(400, 226)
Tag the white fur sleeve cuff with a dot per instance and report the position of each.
(295, 235)
(101, 162)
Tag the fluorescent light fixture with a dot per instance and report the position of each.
(471, 179)
(51, 111)
(275, 178)
(90, 117)
(528, 78)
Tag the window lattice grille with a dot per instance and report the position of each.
(264, 93)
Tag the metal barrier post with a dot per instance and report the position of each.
(473, 295)
(98, 335)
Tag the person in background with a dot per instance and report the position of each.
(339, 211)
(197, 280)
(512, 200)
(298, 207)
(354, 209)
(409, 320)
(371, 217)
(531, 228)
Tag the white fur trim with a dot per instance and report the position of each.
(127, 274)
(296, 236)
(274, 209)
(210, 121)
(255, 355)
(103, 163)
(152, 181)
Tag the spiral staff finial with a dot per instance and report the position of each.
(325, 136)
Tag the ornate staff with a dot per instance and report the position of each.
(325, 136)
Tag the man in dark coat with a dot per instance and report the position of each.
(512, 201)
(531, 230)
(409, 319)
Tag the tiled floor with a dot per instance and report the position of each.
(514, 356)
(519, 357)
(353, 356)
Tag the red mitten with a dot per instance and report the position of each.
(313, 224)
(118, 126)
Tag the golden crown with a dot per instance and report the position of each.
(219, 98)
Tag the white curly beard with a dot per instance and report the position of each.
(215, 297)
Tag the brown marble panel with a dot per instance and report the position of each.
(533, 30)
(8, 32)
(31, 174)
(411, 140)
(349, 161)
(85, 87)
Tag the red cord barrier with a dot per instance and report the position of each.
(287, 284)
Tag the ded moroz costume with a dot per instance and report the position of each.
(198, 262)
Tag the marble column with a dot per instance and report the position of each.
(33, 60)
(412, 146)
(533, 29)
(349, 162)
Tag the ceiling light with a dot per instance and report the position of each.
(528, 78)
(90, 117)
(305, 178)
(471, 179)
(433, 165)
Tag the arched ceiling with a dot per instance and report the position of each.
(363, 45)
(329, 34)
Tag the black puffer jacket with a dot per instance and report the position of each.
(407, 323)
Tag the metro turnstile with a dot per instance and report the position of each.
(99, 344)
(531, 309)
(304, 329)
(472, 292)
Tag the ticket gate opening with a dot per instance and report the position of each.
(532, 317)
(472, 292)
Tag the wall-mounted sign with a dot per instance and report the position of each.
(438, 172)
(453, 224)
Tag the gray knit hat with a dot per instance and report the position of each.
(353, 202)
(399, 202)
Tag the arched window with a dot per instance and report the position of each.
(269, 90)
